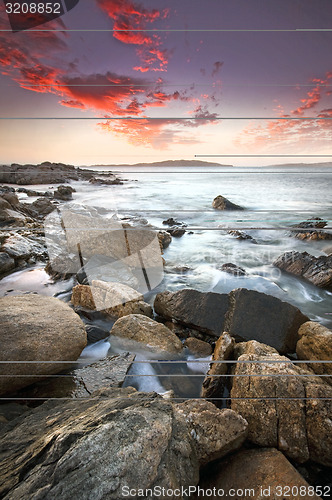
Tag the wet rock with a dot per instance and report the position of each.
(20, 247)
(317, 270)
(176, 228)
(115, 299)
(155, 336)
(165, 239)
(7, 263)
(32, 192)
(222, 203)
(198, 347)
(172, 222)
(81, 382)
(271, 393)
(95, 333)
(255, 315)
(39, 208)
(36, 328)
(241, 235)
(113, 181)
(216, 432)
(307, 230)
(64, 193)
(258, 473)
(316, 344)
(233, 269)
(202, 311)
(95, 448)
(214, 382)
(176, 232)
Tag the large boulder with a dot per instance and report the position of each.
(216, 432)
(146, 332)
(115, 299)
(317, 270)
(40, 335)
(258, 473)
(286, 407)
(256, 316)
(202, 311)
(97, 448)
(214, 382)
(222, 203)
(316, 344)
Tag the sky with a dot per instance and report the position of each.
(120, 81)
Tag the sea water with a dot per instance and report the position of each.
(274, 198)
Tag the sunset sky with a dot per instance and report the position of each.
(158, 62)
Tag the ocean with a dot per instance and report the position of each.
(274, 198)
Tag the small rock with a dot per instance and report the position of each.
(198, 347)
(113, 181)
(316, 344)
(222, 203)
(176, 232)
(64, 193)
(154, 336)
(216, 432)
(241, 235)
(233, 269)
(172, 222)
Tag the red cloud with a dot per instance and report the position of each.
(130, 22)
(23, 58)
(289, 135)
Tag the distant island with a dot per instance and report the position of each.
(169, 163)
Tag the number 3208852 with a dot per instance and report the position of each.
(33, 8)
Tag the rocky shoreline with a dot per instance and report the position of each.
(74, 430)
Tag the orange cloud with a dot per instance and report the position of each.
(130, 22)
(293, 135)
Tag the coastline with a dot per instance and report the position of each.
(177, 316)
